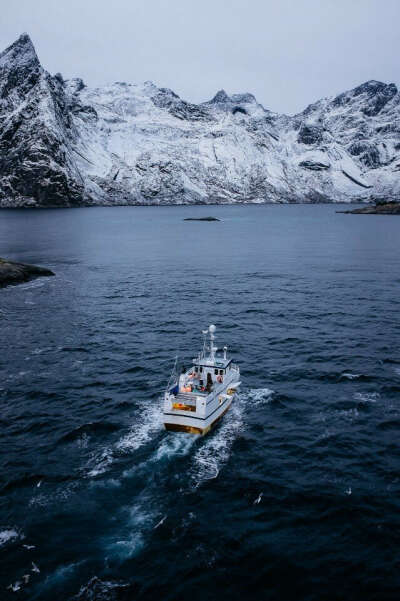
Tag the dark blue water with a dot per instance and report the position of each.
(308, 302)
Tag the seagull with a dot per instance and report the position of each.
(29, 547)
(39, 483)
(348, 491)
(15, 587)
(160, 523)
(35, 568)
(26, 578)
(256, 502)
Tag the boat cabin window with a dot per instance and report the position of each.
(221, 371)
(216, 372)
(201, 370)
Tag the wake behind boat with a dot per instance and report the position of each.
(197, 399)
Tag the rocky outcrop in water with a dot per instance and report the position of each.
(17, 273)
(380, 208)
(201, 219)
(64, 144)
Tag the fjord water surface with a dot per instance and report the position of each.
(294, 496)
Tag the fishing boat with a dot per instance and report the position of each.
(196, 400)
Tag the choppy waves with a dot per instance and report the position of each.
(295, 492)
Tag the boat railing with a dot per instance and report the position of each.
(185, 401)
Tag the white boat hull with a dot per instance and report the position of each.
(176, 422)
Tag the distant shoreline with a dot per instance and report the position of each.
(192, 204)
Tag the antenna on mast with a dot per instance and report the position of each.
(213, 348)
(204, 332)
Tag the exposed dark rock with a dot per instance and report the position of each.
(355, 180)
(201, 219)
(17, 273)
(368, 153)
(314, 165)
(220, 96)
(310, 134)
(35, 165)
(166, 98)
(378, 94)
(380, 208)
(239, 109)
(245, 98)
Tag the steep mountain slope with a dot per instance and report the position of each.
(62, 143)
(36, 133)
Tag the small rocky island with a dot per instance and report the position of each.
(201, 219)
(17, 273)
(379, 208)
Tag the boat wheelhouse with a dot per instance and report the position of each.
(197, 399)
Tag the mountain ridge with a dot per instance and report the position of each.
(65, 144)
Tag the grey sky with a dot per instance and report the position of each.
(288, 53)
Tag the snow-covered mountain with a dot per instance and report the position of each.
(62, 143)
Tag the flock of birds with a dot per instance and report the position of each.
(16, 586)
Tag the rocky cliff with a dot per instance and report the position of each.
(64, 144)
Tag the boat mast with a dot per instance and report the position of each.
(213, 348)
(203, 353)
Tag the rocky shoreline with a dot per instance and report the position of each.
(382, 208)
(18, 273)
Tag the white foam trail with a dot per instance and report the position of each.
(350, 376)
(143, 430)
(367, 397)
(349, 413)
(146, 425)
(171, 446)
(59, 496)
(216, 449)
(179, 444)
(259, 396)
(101, 463)
(141, 521)
(39, 351)
(9, 535)
(38, 283)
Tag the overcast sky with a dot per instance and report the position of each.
(288, 53)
